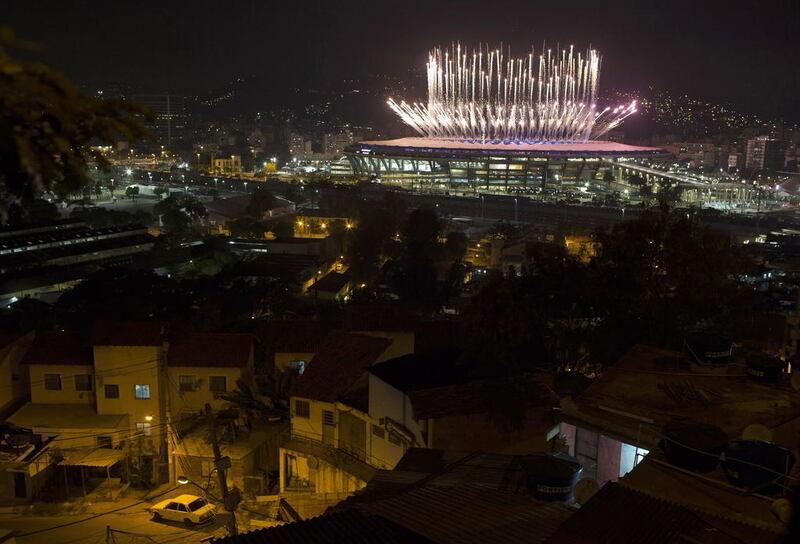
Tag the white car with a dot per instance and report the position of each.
(190, 509)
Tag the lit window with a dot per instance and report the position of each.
(141, 391)
(302, 408)
(83, 382)
(218, 384)
(298, 365)
(111, 390)
(143, 428)
(52, 382)
(186, 383)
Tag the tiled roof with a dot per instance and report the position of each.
(352, 527)
(338, 365)
(210, 349)
(59, 348)
(416, 371)
(475, 397)
(616, 514)
(294, 336)
(127, 333)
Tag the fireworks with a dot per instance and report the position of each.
(487, 96)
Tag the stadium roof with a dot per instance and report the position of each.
(590, 147)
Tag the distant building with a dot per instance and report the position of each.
(764, 154)
(299, 147)
(169, 117)
(229, 166)
(333, 144)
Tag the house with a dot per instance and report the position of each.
(332, 286)
(433, 496)
(612, 425)
(14, 378)
(131, 388)
(293, 343)
(203, 366)
(335, 443)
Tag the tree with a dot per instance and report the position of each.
(247, 227)
(260, 203)
(48, 128)
(283, 228)
(455, 246)
(31, 212)
(159, 191)
(131, 191)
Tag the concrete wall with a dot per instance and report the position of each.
(195, 401)
(67, 394)
(127, 366)
(386, 401)
(316, 475)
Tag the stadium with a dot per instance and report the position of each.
(496, 122)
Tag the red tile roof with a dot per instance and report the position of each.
(294, 336)
(210, 349)
(127, 333)
(338, 365)
(617, 514)
(59, 348)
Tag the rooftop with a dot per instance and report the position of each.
(338, 365)
(618, 514)
(127, 333)
(475, 397)
(649, 386)
(59, 348)
(332, 282)
(210, 349)
(350, 526)
(294, 336)
(65, 416)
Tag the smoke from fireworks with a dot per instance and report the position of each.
(486, 96)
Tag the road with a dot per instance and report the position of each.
(93, 531)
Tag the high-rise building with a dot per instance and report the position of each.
(168, 123)
(333, 144)
(764, 154)
(299, 146)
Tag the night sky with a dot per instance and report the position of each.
(746, 53)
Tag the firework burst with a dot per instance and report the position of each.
(487, 96)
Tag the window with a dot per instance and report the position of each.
(52, 382)
(327, 418)
(298, 365)
(104, 442)
(394, 438)
(187, 383)
(302, 408)
(111, 390)
(197, 504)
(143, 428)
(378, 431)
(83, 382)
(141, 391)
(217, 384)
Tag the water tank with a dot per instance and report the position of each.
(551, 477)
(692, 445)
(708, 348)
(740, 458)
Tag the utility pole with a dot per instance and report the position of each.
(229, 499)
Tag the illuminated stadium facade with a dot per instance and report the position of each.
(494, 121)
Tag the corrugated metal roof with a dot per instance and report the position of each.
(470, 513)
(616, 514)
(351, 527)
(102, 457)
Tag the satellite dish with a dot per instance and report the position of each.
(585, 490)
(796, 381)
(756, 431)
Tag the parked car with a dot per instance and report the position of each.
(190, 509)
